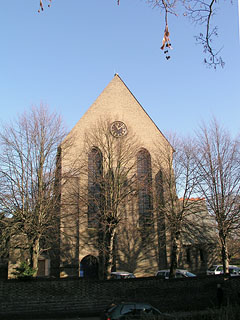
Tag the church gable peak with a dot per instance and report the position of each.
(118, 103)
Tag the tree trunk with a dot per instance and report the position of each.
(110, 252)
(35, 255)
(106, 251)
(174, 255)
(225, 257)
(101, 253)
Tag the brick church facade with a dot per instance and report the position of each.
(134, 250)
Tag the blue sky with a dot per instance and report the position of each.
(66, 55)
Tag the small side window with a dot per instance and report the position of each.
(161, 275)
(147, 311)
(179, 275)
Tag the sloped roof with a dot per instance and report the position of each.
(113, 96)
(117, 75)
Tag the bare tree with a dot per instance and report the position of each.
(178, 181)
(198, 12)
(111, 185)
(107, 186)
(27, 170)
(218, 170)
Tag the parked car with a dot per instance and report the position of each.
(121, 275)
(234, 271)
(218, 269)
(215, 269)
(133, 310)
(180, 273)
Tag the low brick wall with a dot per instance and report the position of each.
(46, 297)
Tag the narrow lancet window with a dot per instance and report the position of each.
(95, 171)
(144, 175)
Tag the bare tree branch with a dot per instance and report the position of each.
(106, 186)
(27, 172)
(218, 171)
(202, 12)
(199, 12)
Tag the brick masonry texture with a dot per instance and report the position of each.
(52, 297)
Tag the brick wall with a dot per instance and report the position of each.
(47, 297)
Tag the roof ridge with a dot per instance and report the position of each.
(117, 75)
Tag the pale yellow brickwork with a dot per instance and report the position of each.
(116, 102)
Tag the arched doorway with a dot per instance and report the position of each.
(89, 267)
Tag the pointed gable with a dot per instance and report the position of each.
(118, 103)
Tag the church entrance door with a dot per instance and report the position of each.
(89, 267)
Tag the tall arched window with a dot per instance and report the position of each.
(144, 175)
(161, 227)
(95, 171)
(159, 190)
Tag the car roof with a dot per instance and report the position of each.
(167, 270)
(220, 265)
(134, 302)
(121, 272)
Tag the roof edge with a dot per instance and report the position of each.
(117, 75)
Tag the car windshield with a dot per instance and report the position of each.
(127, 308)
(220, 268)
(146, 309)
(190, 274)
(212, 268)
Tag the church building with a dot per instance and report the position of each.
(112, 193)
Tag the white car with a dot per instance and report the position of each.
(180, 273)
(218, 269)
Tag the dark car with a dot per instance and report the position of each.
(122, 275)
(133, 310)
